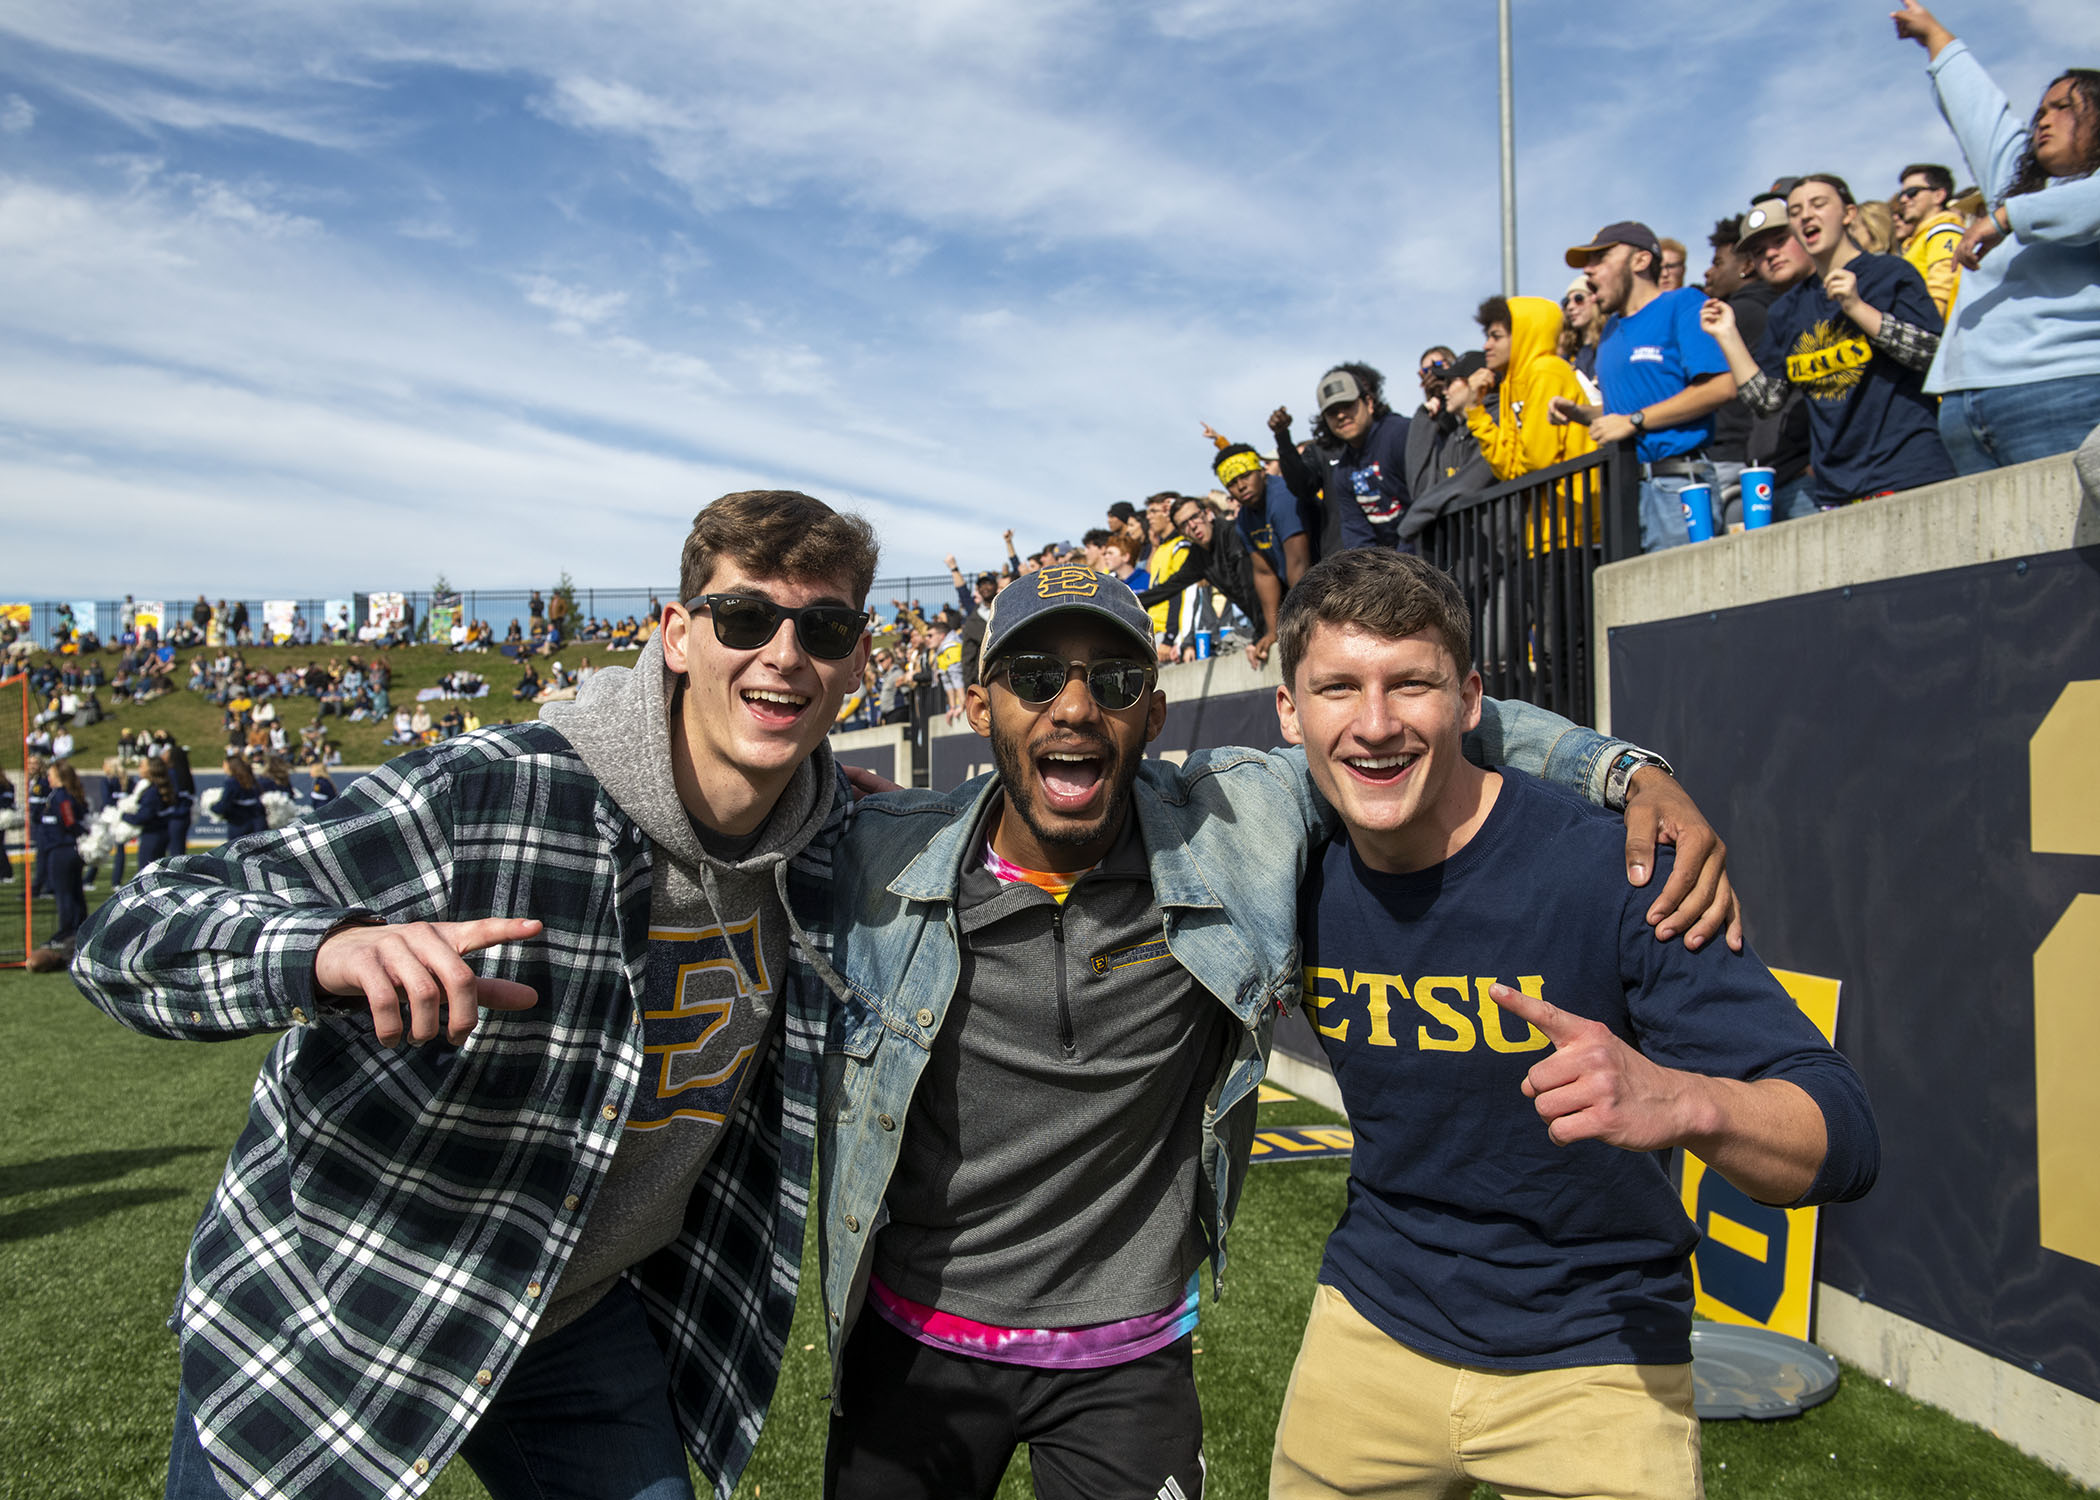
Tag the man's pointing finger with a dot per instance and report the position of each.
(1560, 1027)
(487, 932)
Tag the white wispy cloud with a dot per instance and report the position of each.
(347, 290)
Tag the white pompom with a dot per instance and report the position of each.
(106, 834)
(282, 809)
(10, 819)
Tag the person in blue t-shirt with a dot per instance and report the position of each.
(1857, 337)
(1517, 1056)
(1662, 374)
(1278, 544)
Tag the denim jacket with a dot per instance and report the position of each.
(1227, 834)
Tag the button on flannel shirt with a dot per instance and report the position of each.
(392, 1220)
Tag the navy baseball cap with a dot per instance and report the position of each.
(1625, 232)
(1066, 587)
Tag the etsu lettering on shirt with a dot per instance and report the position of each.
(1449, 1012)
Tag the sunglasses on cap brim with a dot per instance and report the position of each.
(1037, 678)
(744, 622)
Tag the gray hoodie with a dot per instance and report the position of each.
(719, 929)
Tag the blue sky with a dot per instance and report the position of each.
(306, 299)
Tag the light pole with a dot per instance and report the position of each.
(1509, 167)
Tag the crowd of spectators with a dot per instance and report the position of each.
(1854, 348)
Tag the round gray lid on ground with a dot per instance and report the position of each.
(1756, 1373)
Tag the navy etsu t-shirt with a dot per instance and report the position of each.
(1652, 356)
(1871, 427)
(1276, 521)
(1468, 1234)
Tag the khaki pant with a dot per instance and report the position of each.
(1365, 1415)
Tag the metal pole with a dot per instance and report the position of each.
(1509, 167)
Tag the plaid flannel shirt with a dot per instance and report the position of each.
(392, 1220)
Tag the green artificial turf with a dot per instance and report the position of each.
(110, 1144)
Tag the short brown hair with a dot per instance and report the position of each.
(1388, 593)
(779, 534)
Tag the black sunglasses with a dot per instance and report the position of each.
(1038, 678)
(744, 622)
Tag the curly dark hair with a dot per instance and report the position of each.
(1370, 382)
(2028, 176)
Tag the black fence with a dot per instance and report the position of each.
(1526, 552)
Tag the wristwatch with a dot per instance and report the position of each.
(1620, 776)
(1639, 419)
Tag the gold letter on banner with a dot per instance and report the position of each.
(1788, 1269)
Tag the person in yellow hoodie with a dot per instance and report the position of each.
(1519, 336)
(1929, 229)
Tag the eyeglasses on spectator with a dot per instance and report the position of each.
(1037, 678)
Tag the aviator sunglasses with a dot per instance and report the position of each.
(744, 622)
(1037, 679)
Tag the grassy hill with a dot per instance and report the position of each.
(196, 722)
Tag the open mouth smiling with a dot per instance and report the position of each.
(1072, 778)
(1380, 770)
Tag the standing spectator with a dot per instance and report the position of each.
(1581, 329)
(150, 817)
(1732, 277)
(1460, 468)
(1857, 337)
(947, 653)
(1663, 376)
(978, 609)
(1519, 337)
(240, 800)
(1670, 276)
(116, 785)
(184, 781)
(1779, 441)
(7, 804)
(57, 833)
(2018, 372)
(1367, 486)
(1874, 227)
(1928, 232)
(36, 794)
(1271, 533)
(1170, 602)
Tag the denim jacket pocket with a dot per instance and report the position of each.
(849, 1052)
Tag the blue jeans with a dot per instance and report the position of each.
(585, 1414)
(2011, 424)
(1662, 513)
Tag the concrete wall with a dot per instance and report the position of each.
(2012, 513)
(2034, 509)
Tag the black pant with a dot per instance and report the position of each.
(63, 862)
(921, 1422)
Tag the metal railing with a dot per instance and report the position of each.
(1526, 552)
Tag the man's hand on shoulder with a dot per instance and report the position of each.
(866, 783)
(422, 964)
(1698, 899)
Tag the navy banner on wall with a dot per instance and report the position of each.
(1866, 752)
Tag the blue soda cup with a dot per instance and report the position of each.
(1757, 498)
(1202, 639)
(1698, 511)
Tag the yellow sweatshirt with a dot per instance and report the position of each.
(1525, 439)
(1931, 250)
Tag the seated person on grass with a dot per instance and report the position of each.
(1508, 1298)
